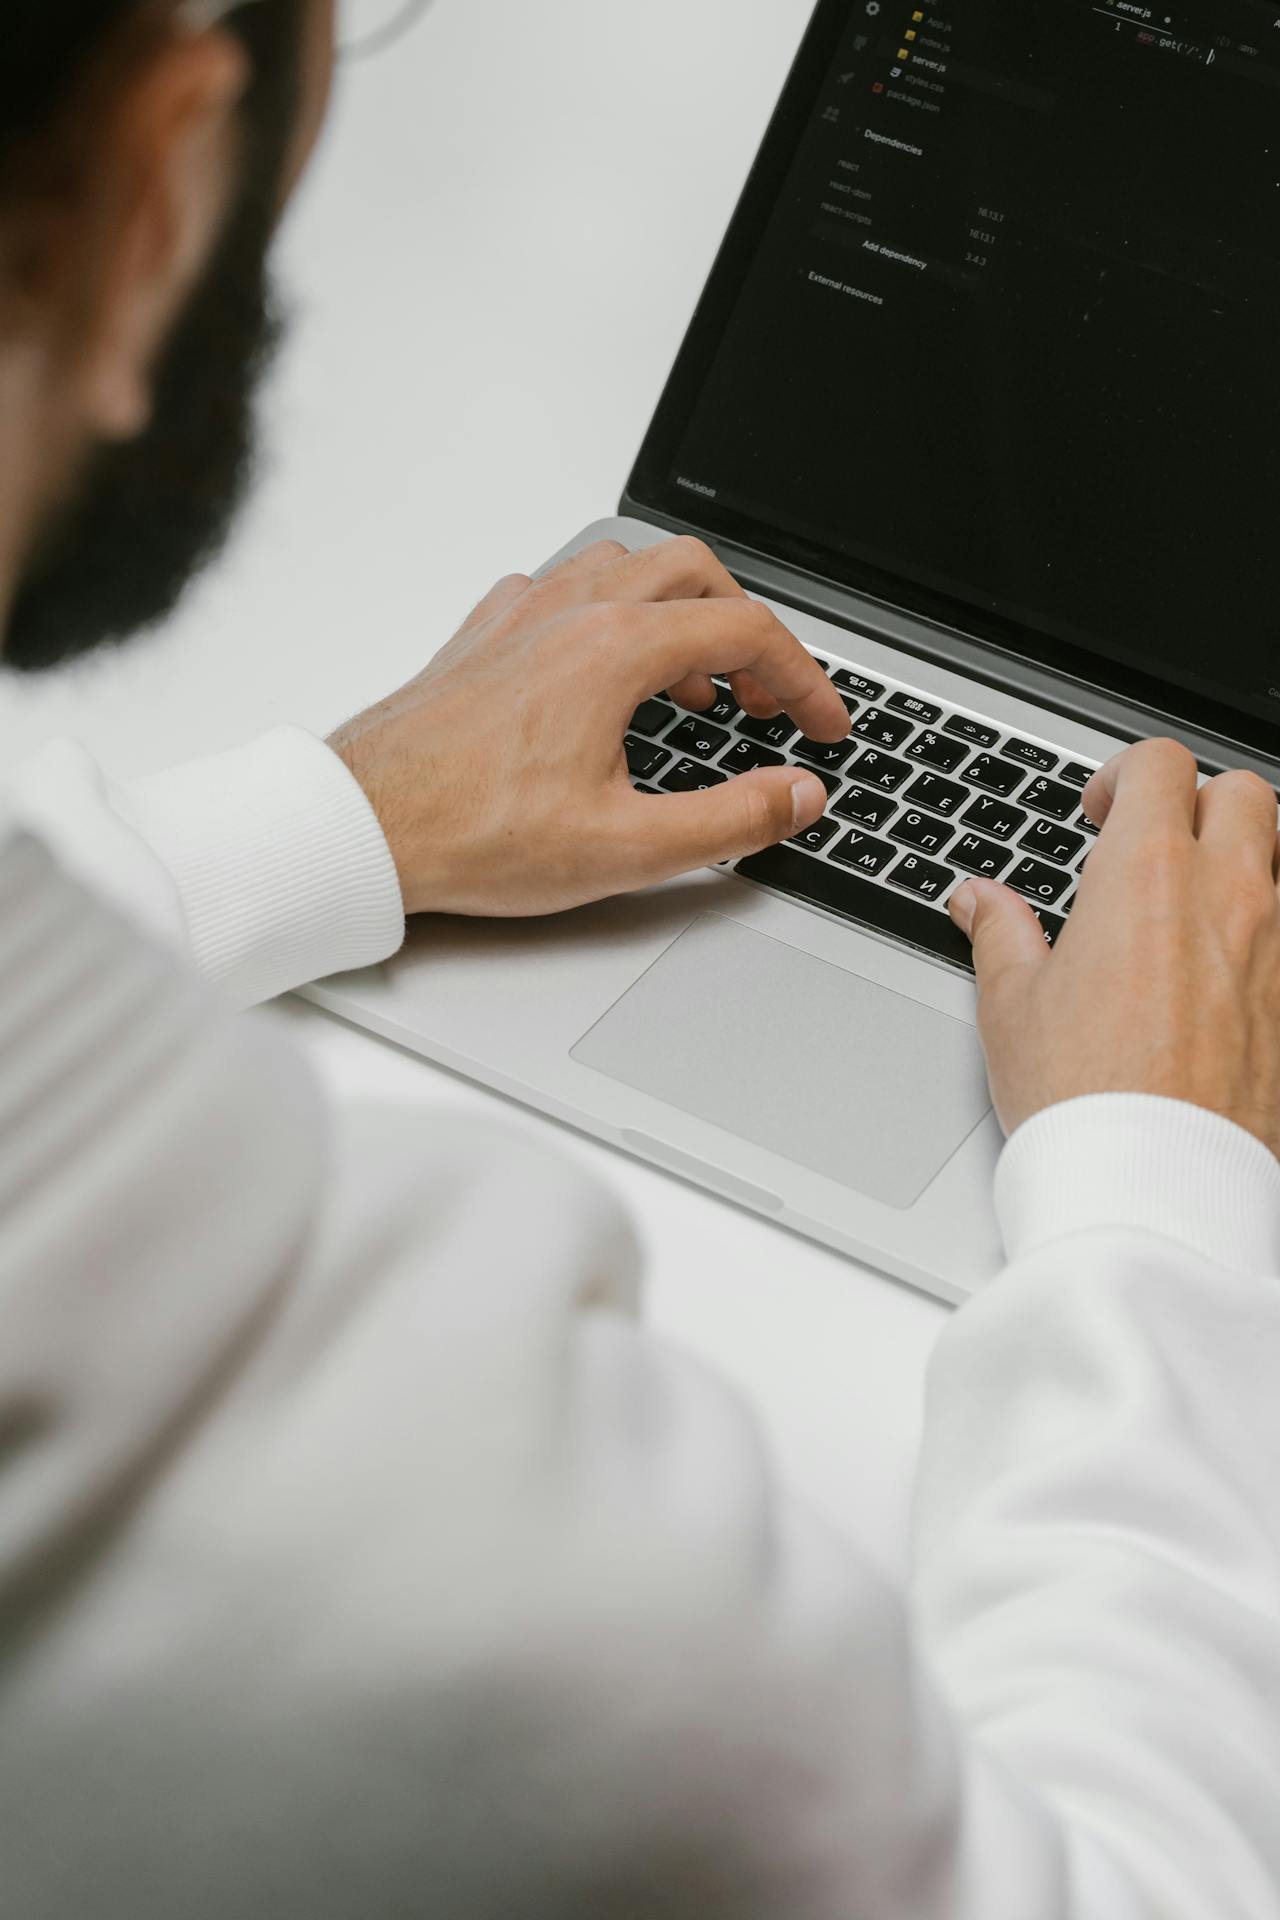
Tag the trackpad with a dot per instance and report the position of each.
(820, 1066)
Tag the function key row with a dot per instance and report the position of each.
(846, 681)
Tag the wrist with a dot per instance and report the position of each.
(368, 769)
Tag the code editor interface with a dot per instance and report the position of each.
(1013, 328)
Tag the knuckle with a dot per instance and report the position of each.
(1168, 754)
(692, 554)
(1162, 764)
(1249, 789)
(758, 619)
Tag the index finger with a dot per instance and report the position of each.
(732, 636)
(1152, 784)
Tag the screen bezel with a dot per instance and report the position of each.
(650, 488)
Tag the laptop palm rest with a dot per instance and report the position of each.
(799, 1056)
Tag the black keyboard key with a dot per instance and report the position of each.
(975, 731)
(861, 901)
(995, 817)
(641, 788)
(871, 810)
(820, 663)
(769, 733)
(744, 756)
(698, 737)
(831, 781)
(1051, 842)
(921, 830)
(864, 853)
(690, 776)
(1031, 756)
(1053, 923)
(1086, 825)
(934, 751)
(824, 753)
(983, 857)
(854, 683)
(994, 776)
(939, 795)
(1074, 774)
(884, 728)
(644, 759)
(725, 709)
(1045, 885)
(876, 769)
(919, 710)
(921, 876)
(652, 717)
(1051, 797)
(815, 838)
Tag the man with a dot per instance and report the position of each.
(359, 1554)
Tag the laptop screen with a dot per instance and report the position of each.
(995, 336)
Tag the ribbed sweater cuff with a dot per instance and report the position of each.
(284, 871)
(1135, 1160)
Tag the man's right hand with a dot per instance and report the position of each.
(1166, 978)
(499, 775)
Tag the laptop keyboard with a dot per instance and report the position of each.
(920, 796)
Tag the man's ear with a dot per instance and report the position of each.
(160, 180)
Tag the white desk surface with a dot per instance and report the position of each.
(490, 271)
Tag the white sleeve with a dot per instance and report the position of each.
(266, 863)
(1098, 1508)
(360, 1553)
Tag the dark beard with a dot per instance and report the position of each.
(149, 514)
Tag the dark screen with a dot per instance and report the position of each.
(1000, 322)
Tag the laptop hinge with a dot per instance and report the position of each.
(961, 652)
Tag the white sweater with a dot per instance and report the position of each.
(361, 1555)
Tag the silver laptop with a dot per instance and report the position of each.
(983, 397)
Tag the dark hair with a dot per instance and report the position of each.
(42, 49)
(148, 512)
(46, 46)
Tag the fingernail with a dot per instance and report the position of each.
(807, 793)
(963, 905)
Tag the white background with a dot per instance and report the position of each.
(489, 273)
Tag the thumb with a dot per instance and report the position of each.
(753, 810)
(1007, 938)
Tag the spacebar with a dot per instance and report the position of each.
(804, 878)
